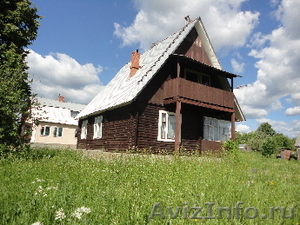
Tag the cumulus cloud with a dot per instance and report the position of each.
(242, 128)
(278, 66)
(58, 73)
(226, 24)
(293, 111)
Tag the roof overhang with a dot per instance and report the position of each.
(206, 67)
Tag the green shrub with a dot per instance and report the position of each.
(231, 146)
(268, 147)
(7, 151)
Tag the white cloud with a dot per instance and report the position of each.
(226, 24)
(293, 111)
(237, 67)
(58, 73)
(278, 66)
(296, 126)
(242, 128)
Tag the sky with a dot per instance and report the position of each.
(82, 44)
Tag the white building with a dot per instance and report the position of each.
(56, 124)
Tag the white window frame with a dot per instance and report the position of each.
(56, 132)
(98, 127)
(164, 126)
(44, 133)
(215, 129)
(84, 129)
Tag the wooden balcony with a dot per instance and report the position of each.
(200, 93)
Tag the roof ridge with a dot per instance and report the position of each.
(179, 32)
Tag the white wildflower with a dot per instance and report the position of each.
(52, 188)
(60, 215)
(80, 211)
(37, 180)
(37, 223)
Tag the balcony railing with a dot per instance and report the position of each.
(194, 91)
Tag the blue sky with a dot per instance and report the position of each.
(82, 44)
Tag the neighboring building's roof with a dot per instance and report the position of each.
(297, 144)
(123, 89)
(55, 103)
(53, 111)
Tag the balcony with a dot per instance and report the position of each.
(198, 93)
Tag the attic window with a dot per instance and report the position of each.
(197, 77)
(74, 113)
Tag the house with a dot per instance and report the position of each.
(55, 123)
(173, 96)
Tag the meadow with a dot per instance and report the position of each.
(66, 187)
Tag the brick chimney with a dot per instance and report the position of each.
(61, 98)
(135, 63)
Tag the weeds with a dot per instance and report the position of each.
(62, 187)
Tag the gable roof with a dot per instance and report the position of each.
(123, 89)
(53, 111)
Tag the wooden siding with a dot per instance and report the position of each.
(118, 130)
(192, 47)
(191, 128)
(136, 126)
(180, 87)
(210, 146)
(148, 129)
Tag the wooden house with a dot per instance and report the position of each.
(173, 96)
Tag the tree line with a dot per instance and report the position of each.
(266, 140)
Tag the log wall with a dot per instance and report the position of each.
(118, 130)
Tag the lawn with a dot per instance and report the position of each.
(64, 187)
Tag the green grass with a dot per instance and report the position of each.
(124, 189)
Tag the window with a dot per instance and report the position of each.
(76, 133)
(84, 129)
(74, 113)
(58, 131)
(98, 127)
(216, 130)
(198, 77)
(45, 131)
(166, 126)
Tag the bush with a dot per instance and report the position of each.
(268, 147)
(7, 151)
(231, 147)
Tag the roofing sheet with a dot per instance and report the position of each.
(55, 103)
(53, 111)
(122, 88)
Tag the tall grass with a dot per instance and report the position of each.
(51, 187)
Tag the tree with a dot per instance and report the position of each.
(266, 128)
(18, 28)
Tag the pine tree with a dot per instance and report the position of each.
(18, 28)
